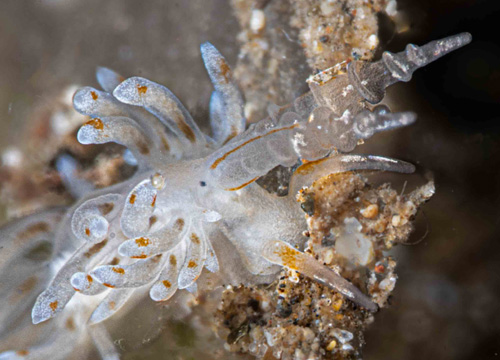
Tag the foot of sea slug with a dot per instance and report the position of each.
(281, 253)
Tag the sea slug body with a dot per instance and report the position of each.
(160, 228)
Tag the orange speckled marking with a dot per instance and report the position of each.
(95, 249)
(154, 201)
(165, 143)
(308, 166)
(96, 124)
(243, 185)
(53, 305)
(223, 157)
(118, 270)
(142, 256)
(194, 238)
(132, 198)
(142, 89)
(70, 324)
(94, 95)
(225, 70)
(109, 285)
(89, 279)
(185, 128)
(289, 257)
(22, 352)
(87, 231)
(192, 264)
(173, 260)
(34, 229)
(179, 224)
(167, 284)
(112, 305)
(142, 241)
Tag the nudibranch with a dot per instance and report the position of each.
(159, 228)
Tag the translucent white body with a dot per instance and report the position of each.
(158, 229)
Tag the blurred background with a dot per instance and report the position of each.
(446, 302)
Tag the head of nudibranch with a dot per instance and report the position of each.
(157, 229)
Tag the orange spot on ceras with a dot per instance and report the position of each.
(142, 89)
(289, 257)
(112, 305)
(22, 352)
(154, 201)
(142, 241)
(53, 305)
(142, 256)
(94, 95)
(87, 231)
(194, 238)
(70, 324)
(96, 124)
(173, 260)
(89, 279)
(179, 224)
(132, 198)
(118, 270)
(225, 70)
(192, 264)
(109, 285)
(167, 284)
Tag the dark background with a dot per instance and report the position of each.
(446, 302)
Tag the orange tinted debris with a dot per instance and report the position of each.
(142, 89)
(94, 95)
(96, 124)
(132, 198)
(118, 270)
(167, 284)
(142, 241)
(379, 269)
(53, 305)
